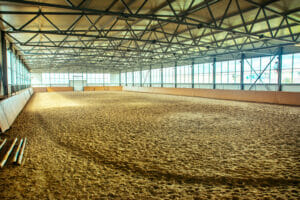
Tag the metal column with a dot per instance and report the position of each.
(82, 81)
(150, 77)
(280, 68)
(242, 71)
(141, 77)
(120, 78)
(4, 64)
(126, 78)
(103, 75)
(193, 74)
(175, 74)
(22, 72)
(161, 76)
(11, 72)
(214, 73)
(132, 77)
(18, 71)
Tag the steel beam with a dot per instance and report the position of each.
(163, 18)
(153, 17)
(179, 18)
(190, 28)
(264, 6)
(99, 38)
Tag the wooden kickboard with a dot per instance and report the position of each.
(103, 88)
(275, 97)
(59, 89)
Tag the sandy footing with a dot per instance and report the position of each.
(124, 145)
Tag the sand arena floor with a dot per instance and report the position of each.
(122, 145)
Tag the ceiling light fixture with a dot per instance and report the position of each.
(199, 26)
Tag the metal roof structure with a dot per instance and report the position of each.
(126, 34)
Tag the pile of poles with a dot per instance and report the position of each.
(18, 156)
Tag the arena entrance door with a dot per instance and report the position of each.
(78, 82)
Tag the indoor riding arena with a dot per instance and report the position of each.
(149, 99)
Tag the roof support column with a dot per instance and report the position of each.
(82, 81)
(126, 78)
(175, 74)
(280, 68)
(242, 71)
(11, 72)
(150, 76)
(193, 73)
(3, 71)
(132, 78)
(103, 76)
(120, 78)
(161, 76)
(18, 72)
(214, 73)
(141, 77)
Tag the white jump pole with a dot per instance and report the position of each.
(22, 152)
(2, 144)
(8, 153)
(17, 151)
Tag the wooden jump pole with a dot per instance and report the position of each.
(2, 144)
(22, 152)
(17, 151)
(8, 153)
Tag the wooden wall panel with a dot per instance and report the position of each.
(274, 97)
(40, 89)
(59, 89)
(86, 88)
(99, 88)
(291, 98)
(89, 88)
(113, 88)
(103, 88)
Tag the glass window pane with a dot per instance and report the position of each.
(296, 68)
